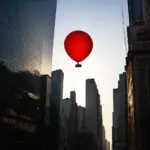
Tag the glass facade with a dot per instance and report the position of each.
(26, 42)
(26, 34)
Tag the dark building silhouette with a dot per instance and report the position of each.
(73, 118)
(45, 122)
(73, 113)
(137, 78)
(84, 140)
(108, 145)
(103, 138)
(26, 42)
(65, 108)
(93, 110)
(57, 94)
(119, 134)
(81, 117)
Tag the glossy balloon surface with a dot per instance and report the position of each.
(78, 45)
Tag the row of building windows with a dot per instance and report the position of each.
(18, 124)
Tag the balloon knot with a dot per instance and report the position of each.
(78, 65)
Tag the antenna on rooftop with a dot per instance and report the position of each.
(124, 33)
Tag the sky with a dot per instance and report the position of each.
(102, 20)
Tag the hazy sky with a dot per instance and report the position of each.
(103, 21)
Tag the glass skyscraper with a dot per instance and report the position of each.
(26, 34)
(26, 43)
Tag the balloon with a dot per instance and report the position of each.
(78, 45)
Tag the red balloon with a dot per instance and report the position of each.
(78, 45)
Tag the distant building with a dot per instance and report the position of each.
(73, 113)
(137, 78)
(84, 140)
(105, 144)
(44, 108)
(63, 127)
(46, 98)
(66, 105)
(108, 145)
(73, 96)
(93, 110)
(57, 93)
(103, 138)
(65, 110)
(92, 100)
(81, 113)
(119, 129)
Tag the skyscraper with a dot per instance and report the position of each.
(108, 145)
(44, 107)
(120, 115)
(92, 104)
(26, 42)
(56, 94)
(137, 78)
(26, 34)
(73, 113)
(93, 111)
(114, 118)
(65, 110)
(66, 105)
(73, 96)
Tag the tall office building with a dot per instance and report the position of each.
(26, 42)
(65, 110)
(66, 105)
(73, 113)
(137, 78)
(108, 145)
(62, 141)
(56, 94)
(120, 115)
(73, 96)
(81, 111)
(114, 118)
(92, 106)
(137, 72)
(44, 108)
(93, 111)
